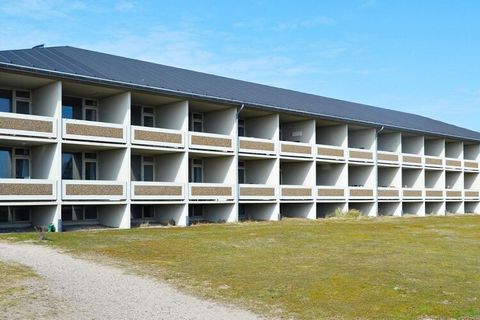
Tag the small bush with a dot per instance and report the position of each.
(350, 214)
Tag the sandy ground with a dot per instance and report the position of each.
(78, 289)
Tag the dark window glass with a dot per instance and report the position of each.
(5, 101)
(148, 172)
(90, 102)
(196, 211)
(67, 166)
(21, 214)
(23, 107)
(90, 212)
(90, 155)
(136, 168)
(5, 170)
(242, 212)
(148, 121)
(77, 213)
(67, 213)
(67, 112)
(197, 174)
(22, 168)
(91, 114)
(136, 115)
(241, 128)
(22, 94)
(22, 152)
(241, 175)
(3, 214)
(71, 107)
(90, 171)
(197, 126)
(136, 212)
(148, 211)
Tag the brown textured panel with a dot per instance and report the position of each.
(26, 124)
(93, 189)
(25, 189)
(158, 190)
(211, 191)
(361, 154)
(211, 141)
(361, 193)
(387, 157)
(412, 159)
(330, 193)
(472, 193)
(255, 191)
(434, 161)
(388, 193)
(451, 193)
(94, 131)
(329, 152)
(412, 193)
(434, 193)
(471, 164)
(296, 192)
(157, 136)
(453, 163)
(291, 148)
(257, 145)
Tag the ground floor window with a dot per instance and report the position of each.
(143, 212)
(195, 211)
(14, 215)
(79, 213)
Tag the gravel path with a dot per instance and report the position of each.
(87, 290)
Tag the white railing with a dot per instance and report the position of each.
(93, 190)
(28, 189)
(211, 191)
(210, 141)
(296, 192)
(330, 152)
(157, 137)
(296, 149)
(103, 134)
(257, 192)
(330, 192)
(21, 129)
(257, 145)
(153, 190)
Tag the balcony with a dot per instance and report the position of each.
(295, 149)
(472, 195)
(210, 141)
(412, 160)
(295, 192)
(257, 192)
(385, 193)
(93, 131)
(27, 189)
(412, 193)
(389, 158)
(453, 164)
(157, 137)
(93, 190)
(434, 162)
(27, 125)
(257, 146)
(434, 194)
(148, 190)
(470, 165)
(330, 192)
(360, 155)
(211, 191)
(360, 193)
(454, 194)
(330, 152)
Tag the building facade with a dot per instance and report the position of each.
(77, 149)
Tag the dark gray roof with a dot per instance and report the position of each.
(70, 62)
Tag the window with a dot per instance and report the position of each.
(148, 168)
(148, 117)
(5, 161)
(148, 212)
(4, 215)
(67, 213)
(90, 212)
(136, 115)
(67, 166)
(241, 127)
(195, 211)
(90, 166)
(242, 211)
(22, 102)
(79, 213)
(241, 172)
(136, 212)
(5, 100)
(197, 122)
(21, 163)
(21, 214)
(142, 212)
(72, 108)
(90, 110)
(196, 173)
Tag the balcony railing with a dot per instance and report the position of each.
(330, 192)
(27, 125)
(360, 155)
(360, 193)
(472, 194)
(257, 192)
(330, 152)
(93, 190)
(412, 160)
(471, 165)
(153, 190)
(211, 191)
(434, 193)
(210, 141)
(388, 193)
(412, 193)
(27, 189)
(455, 164)
(157, 137)
(454, 194)
(295, 192)
(388, 157)
(431, 161)
(93, 131)
(295, 149)
(257, 145)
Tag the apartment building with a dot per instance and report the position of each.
(88, 138)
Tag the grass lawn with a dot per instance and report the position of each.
(390, 268)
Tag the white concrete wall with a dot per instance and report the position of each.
(332, 174)
(361, 138)
(178, 212)
(298, 210)
(435, 208)
(416, 208)
(46, 100)
(327, 208)
(391, 142)
(262, 211)
(413, 178)
(44, 215)
(260, 171)
(455, 207)
(454, 180)
(389, 177)
(390, 209)
(115, 109)
(300, 131)
(471, 181)
(435, 147)
(170, 167)
(454, 150)
(298, 173)
(172, 116)
(332, 135)
(220, 212)
(43, 160)
(116, 216)
(220, 121)
(367, 208)
(265, 127)
(471, 152)
(361, 175)
(412, 144)
(472, 207)
(113, 164)
(435, 179)
(219, 170)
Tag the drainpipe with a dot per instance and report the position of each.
(377, 131)
(237, 151)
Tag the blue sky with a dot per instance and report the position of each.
(414, 56)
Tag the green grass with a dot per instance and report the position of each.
(388, 268)
(13, 291)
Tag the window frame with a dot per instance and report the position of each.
(241, 166)
(84, 164)
(14, 158)
(241, 125)
(86, 107)
(15, 99)
(196, 120)
(144, 163)
(148, 114)
(192, 170)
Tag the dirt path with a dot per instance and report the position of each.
(87, 290)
